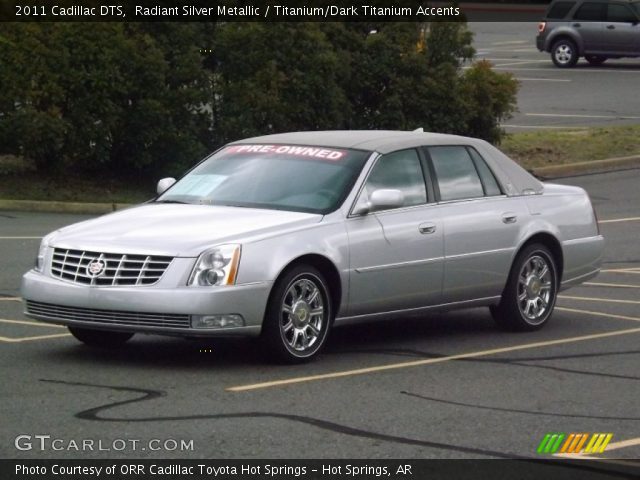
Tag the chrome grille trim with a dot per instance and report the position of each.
(107, 317)
(119, 270)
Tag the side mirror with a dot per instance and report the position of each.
(382, 199)
(164, 184)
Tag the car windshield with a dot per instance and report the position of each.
(283, 177)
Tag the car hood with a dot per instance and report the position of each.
(176, 230)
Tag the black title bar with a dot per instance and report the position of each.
(265, 11)
(312, 469)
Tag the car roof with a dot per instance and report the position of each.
(515, 179)
(382, 141)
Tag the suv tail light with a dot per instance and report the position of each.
(542, 26)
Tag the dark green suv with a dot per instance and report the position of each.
(594, 29)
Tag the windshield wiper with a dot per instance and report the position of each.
(172, 201)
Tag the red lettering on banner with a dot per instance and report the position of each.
(295, 150)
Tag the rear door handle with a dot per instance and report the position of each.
(611, 27)
(577, 25)
(426, 228)
(509, 217)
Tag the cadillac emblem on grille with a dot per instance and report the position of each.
(95, 268)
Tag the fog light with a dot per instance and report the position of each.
(217, 321)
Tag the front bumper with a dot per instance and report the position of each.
(130, 308)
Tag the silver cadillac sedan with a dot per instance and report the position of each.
(283, 236)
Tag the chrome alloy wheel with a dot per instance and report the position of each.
(564, 53)
(302, 315)
(535, 289)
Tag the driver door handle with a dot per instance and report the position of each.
(426, 228)
(509, 217)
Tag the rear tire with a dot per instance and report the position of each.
(530, 294)
(100, 338)
(595, 60)
(298, 316)
(564, 53)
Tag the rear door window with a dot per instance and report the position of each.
(591, 12)
(560, 10)
(457, 176)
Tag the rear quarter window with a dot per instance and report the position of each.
(559, 10)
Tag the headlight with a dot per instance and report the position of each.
(216, 266)
(42, 251)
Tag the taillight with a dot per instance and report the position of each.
(542, 26)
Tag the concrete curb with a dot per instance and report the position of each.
(582, 168)
(553, 171)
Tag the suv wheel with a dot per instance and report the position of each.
(595, 59)
(564, 53)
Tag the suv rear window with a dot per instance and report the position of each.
(559, 10)
(591, 12)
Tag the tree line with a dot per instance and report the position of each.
(155, 97)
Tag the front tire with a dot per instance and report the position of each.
(564, 53)
(529, 298)
(100, 338)
(298, 316)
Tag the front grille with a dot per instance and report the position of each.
(107, 317)
(117, 269)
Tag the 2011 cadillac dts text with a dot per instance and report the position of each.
(284, 235)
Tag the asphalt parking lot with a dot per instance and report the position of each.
(442, 386)
(555, 98)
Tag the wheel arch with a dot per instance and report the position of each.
(328, 270)
(565, 35)
(552, 243)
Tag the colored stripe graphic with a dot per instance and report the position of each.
(567, 443)
(574, 443)
(583, 439)
(550, 443)
(598, 443)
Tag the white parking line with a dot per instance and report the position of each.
(518, 62)
(616, 220)
(579, 70)
(431, 361)
(31, 324)
(510, 42)
(613, 285)
(624, 444)
(571, 115)
(599, 314)
(30, 339)
(594, 299)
